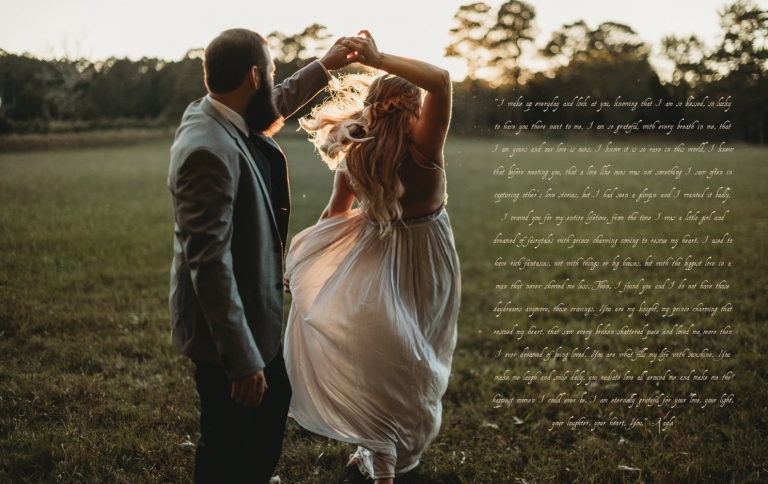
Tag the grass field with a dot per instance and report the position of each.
(91, 389)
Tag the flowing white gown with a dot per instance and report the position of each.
(371, 334)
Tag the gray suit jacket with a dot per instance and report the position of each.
(226, 297)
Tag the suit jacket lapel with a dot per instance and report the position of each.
(269, 141)
(281, 189)
(214, 113)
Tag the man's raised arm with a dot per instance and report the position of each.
(300, 88)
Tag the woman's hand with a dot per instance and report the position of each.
(366, 47)
(287, 283)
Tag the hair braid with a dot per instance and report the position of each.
(363, 130)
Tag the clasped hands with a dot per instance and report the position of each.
(348, 50)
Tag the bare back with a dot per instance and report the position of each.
(424, 183)
(422, 171)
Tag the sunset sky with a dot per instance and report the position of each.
(98, 29)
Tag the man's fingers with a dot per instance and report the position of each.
(353, 59)
(262, 380)
(365, 33)
(258, 395)
(261, 387)
(248, 400)
(354, 43)
(238, 391)
(245, 389)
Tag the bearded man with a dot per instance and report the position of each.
(229, 185)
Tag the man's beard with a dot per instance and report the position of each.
(261, 113)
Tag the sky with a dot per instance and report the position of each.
(167, 29)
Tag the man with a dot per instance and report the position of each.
(229, 185)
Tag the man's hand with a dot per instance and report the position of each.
(287, 283)
(249, 390)
(339, 56)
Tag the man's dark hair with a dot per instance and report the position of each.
(230, 56)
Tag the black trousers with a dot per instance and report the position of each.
(238, 444)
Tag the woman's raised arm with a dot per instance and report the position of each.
(431, 129)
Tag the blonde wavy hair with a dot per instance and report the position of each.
(364, 130)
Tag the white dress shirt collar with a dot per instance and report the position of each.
(231, 116)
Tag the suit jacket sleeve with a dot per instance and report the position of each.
(300, 88)
(204, 192)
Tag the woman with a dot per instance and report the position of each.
(376, 290)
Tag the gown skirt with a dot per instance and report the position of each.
(371, 333)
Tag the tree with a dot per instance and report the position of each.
(492, 44)
(743, 54)
(577, 42)
(468, 37)
(66, 85)
(742, 50)
(604, 63)
(308, 44)
(22, 90)
(744, 47)
(29, 104)
(189, 84)
(691, 58)
(514, 26)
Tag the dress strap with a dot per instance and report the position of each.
(434, 166)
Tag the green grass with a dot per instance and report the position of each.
(91, 389)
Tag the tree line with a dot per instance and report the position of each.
(598, 63)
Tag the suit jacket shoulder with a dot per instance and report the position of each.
(199, 130)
